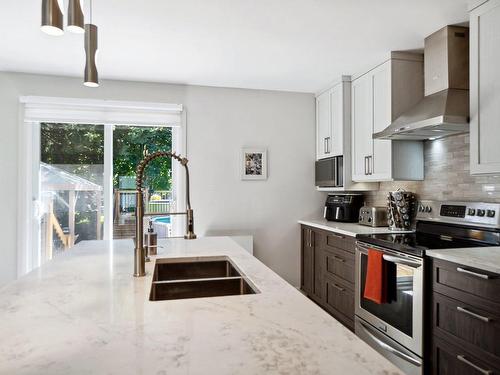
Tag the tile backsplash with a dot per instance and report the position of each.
(447, 176)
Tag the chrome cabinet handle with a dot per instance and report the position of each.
(341, 260)
(390, 349)
(324, 146)
(472, 273)
(339, 288)
(473, 314)
(327, 139)
(337, 236)
(462, 358)
(370, 168)
(366, 160)
(406, 262)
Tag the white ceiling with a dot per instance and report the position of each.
(293, 45)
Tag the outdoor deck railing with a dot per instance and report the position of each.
(156, 202)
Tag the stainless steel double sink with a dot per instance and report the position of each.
(180, 278)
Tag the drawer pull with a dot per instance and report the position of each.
(341, 260)
(462, 358)
(339, 288)
(337, 236)
(472, 273)
(473, 314)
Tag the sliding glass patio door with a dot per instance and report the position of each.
(84, 184)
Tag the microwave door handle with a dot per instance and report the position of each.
(406, 262)
(335, 173)
(389, 348)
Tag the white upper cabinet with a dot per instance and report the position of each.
(337, 120)
(333, 130)
(379, 97)
(323, 125)
(485, 88)
(330, 122)
(362, 125)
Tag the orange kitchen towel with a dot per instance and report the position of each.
(375, 284)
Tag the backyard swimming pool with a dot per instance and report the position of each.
(162, 219)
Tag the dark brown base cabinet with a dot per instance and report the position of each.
(465, 320)
(327, 272)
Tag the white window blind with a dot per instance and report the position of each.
(94, 111)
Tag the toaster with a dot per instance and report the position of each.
(373, 216)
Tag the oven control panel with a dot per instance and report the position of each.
(473, 213)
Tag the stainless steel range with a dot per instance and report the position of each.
(395, 327)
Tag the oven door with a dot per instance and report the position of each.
(401, 319)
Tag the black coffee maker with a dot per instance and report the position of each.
(343, 207)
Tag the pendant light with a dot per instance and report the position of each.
(52, 18)
(75, 17)
(91, 75)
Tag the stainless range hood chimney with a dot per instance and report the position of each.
(444, 110)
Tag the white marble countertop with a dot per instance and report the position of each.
(347, 229)
(84, 313)
(483, 258)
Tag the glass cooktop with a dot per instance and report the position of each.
(434, 236)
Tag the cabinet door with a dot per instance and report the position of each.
(307, 261)
(323, 125)
(485, 88)
(318, 268)
(381, 163)
(362, 126)
(337, 120)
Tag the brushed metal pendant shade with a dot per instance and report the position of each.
(52, 18)
(91, 75)
(75, 17)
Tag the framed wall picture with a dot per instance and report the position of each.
(254, 164)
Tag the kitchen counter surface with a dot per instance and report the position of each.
(84, 313)
(348, 229)
(483, 258)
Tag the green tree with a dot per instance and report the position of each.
(130, 143)
(81, 145)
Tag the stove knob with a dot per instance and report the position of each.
(490, 213)
(480, 212)
(428, 209)
(471, 212)
(421, 208)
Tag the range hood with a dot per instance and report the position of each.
(444, 110)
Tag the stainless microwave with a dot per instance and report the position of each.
(330, 172)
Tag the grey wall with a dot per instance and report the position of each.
(447, 176)
(220, 122)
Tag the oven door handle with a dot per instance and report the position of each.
(389, 348)
(404, 261)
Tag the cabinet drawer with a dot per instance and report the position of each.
(450, 360)
(339, 241)
(466, 279)
(339, 263)
(460, 320)
(339, 298)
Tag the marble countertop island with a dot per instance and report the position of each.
(84, 313)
